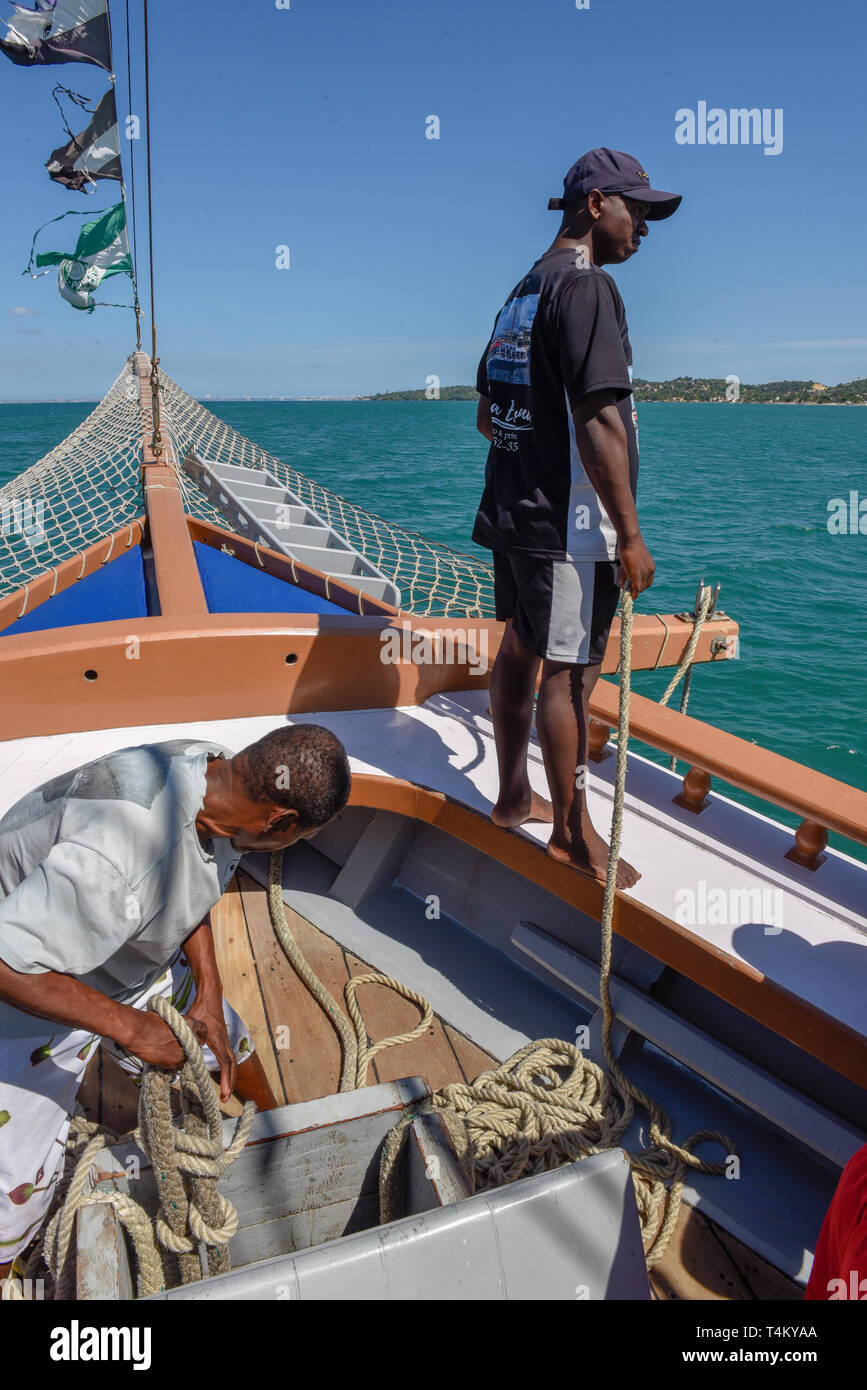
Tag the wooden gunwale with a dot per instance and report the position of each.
(658, 640)
(224, 666)
(218, 666)
(650, 649)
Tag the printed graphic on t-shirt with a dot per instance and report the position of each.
(561, 336)
(509, 353)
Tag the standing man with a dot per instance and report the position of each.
(558, 509)
(105, 873)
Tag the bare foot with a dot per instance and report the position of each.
(533, 807)
(590, 856)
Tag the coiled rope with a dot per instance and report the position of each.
(203, 1216)
(194, 1215)
(548, 1104)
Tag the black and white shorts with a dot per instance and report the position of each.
(561, 609)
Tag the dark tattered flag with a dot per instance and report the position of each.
(58, 31)
(92, 155)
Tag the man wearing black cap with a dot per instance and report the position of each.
(558, 509)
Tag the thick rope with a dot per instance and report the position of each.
(686, 662)
(686, 667)
(197, 1150)
(357, 1048)
(194, 1216)
(548, 1104)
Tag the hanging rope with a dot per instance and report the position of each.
(203, 1215)
(548, 1104)
(685, 669)
(187, 1161)
(687, 659)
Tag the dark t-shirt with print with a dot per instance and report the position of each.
(561, 335)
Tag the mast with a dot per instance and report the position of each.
(156, 439)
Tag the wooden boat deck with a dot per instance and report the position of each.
(299, 1049)
(301, 1055)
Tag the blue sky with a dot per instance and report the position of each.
(306, 127)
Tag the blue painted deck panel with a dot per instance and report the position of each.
(114, 591)
(233, 587)
(117, 590)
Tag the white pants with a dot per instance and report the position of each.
(39, 1080)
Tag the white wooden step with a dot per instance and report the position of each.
(259, 506)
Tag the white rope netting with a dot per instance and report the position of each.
(90, 485)
(79, 492)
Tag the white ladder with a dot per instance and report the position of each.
(260, 507)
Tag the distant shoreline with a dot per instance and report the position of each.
(687, 390)
(467, 394)
(402, 400)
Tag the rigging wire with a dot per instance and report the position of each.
(131, 144)
(156, 441)
(135, 305)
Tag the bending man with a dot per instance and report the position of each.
(106, 872)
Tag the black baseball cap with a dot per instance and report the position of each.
(611, 171)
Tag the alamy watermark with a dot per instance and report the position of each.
(77, 1343)
(32, 1290)
(734, 907)
(847, 516)
(456, 646)
(23, 516)
(735, 126)
(855, 1288)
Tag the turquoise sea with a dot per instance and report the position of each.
(737, 494)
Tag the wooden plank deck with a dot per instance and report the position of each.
(310, 1056)
(241, 984)
(301, 1054)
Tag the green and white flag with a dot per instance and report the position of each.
(102, 251)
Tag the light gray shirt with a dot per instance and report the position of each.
(103, 874)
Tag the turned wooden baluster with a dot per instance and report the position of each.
(810, 840)
(598, 736)
(696, 786)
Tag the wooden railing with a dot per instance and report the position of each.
(823, 803)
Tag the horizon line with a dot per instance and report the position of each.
(272, 397)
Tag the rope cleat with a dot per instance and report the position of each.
(699, 600)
